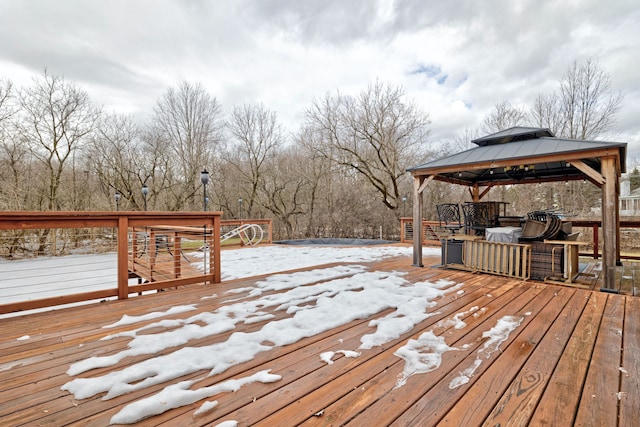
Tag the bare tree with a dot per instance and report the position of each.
(14, 156)
(56, 119)
(227, 191)
(375, 134)
(318, 174)
(503, 116)
(6, 97)
(588, 106)
(163, 173)
(546, 112)
(121, 160)
(257, 136)
(187, 123)
(283, 189)
(15, 164)
(584, 107)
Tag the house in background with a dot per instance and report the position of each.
(629, 199)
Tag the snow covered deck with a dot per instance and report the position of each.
(362, 344)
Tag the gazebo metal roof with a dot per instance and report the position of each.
(521, 155)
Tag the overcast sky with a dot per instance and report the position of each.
(456, 59)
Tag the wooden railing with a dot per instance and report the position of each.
(431, 234)
(629, 237)
(126, 228)
(589, 232)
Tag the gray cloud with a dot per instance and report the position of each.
(456, 59)
(333, 22)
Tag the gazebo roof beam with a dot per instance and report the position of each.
(595, 176)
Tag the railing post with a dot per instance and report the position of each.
(153, 249)
(134, 249)
(215, 254)
(595, 241)
(177, 266)
(206, 268)
(123, 257)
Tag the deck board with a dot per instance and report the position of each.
(505, 384)
(573, 359)
(447, 399)
(599, 402)
(364, 388)
(366, 382)
(542, 350)
(630, 368)
(565, 386)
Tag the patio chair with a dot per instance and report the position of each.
(449, 217)
(541, 225)
(476, 218)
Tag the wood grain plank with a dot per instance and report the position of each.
(630, 367)
(558, 404)
(500, 378)
(343, 397)
(101, 409)
(507, 389)
(516, 406)
(599, 402)
(425, 398)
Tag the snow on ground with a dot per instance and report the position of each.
(305, 303)
(327, 356)
(35, 278)
(239, 263)
(310, 308)
(43, 277)
(496, 336)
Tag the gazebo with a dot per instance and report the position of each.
(527, 155)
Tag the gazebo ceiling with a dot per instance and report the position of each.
(523, 155)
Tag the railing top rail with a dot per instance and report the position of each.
(23, 220)
(631, 223)
(245, 221)
(104, 214)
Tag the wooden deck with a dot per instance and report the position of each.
(573, 360)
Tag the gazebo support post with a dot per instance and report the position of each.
(475, 193)
(417, 221)
(610, 224)
(617, 205)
